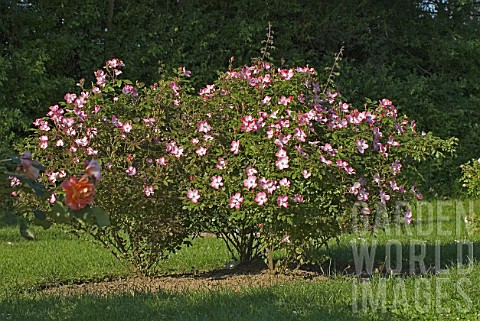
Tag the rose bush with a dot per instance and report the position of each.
(471, 182)
(265, 158)
(124, 126)
(18, 174)
(29, 200)
(471, 177)
(275, 159)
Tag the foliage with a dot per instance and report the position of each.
(471, 177)
(123, 126)
(23, 194)
(276, 159)
(422, 56)
(264, 157)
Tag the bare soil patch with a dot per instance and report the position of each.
(215, 280)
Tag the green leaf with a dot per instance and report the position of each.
(37, 187)
(45, 224)
(102, 217)
(83, 214)
(40, 219)
(39, 215)
(59, 213)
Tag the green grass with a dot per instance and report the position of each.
(439, 228)
(205, 254)
(329, 300)
(54, 258)
(452, 294)
(57, 257)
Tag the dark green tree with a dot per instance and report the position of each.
(422, 54)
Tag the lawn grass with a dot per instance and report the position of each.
(205, 254)
(452, 294)
(54, 257)
(329, 300)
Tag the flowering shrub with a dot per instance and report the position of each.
(125, 127)
(266, 158)
(275, 159)
(471, 182)
(24, 194)
(18, 174)
(471, 177)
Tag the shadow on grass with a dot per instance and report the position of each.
(255, 304)
(408, 257)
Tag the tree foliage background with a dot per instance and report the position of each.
(423, 55)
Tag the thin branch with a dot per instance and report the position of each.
(334, 66)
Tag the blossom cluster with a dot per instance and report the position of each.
(258, 145)
(293, 126)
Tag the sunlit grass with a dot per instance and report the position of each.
(453, 294)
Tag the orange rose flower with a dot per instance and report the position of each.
(79, 193)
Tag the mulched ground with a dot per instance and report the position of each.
(223, 279)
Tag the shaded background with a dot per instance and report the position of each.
(423, 55)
